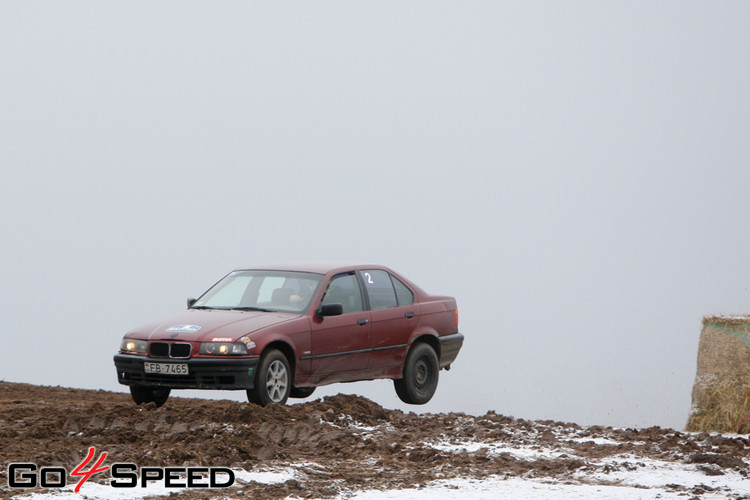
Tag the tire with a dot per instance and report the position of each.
(273, 380)
(141, 394)
(301, 392)
(421, 373)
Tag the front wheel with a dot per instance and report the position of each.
(420, 375)
(273, 380)
(141, 394)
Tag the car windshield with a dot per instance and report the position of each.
(283, 291)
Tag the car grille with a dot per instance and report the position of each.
(173, 350)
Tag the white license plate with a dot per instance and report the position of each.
(166, 368)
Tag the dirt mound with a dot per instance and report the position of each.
(334, 445)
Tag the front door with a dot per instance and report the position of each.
(341, 344)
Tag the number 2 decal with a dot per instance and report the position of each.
(369, 278)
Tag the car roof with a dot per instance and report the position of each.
(312, 266)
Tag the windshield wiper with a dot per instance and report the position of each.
(201, 307)
(249, 308)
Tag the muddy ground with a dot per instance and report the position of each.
(337, 445)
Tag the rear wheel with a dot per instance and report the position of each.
(301, 392)
(273, 380)
(420, 375)
(141, 394)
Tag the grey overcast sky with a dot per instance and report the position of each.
(575, 173)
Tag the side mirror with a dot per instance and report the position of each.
(191, 301)
(330, 310)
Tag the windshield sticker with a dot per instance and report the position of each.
(222, 339)
(184, 328)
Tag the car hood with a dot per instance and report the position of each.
(208, 324)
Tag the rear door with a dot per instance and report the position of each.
(394, 316)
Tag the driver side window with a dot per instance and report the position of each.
(344, 289)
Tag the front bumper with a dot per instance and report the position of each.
(203, 373)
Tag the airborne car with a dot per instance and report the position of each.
(280, 331)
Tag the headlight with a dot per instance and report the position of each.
(132, 345)
(223, 348)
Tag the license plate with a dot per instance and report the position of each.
(166, 368)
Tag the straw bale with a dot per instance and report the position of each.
(721, 393)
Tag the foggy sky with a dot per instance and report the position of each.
(574, 174)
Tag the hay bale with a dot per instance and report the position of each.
(721, 393)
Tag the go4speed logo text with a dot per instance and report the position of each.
(123, 475)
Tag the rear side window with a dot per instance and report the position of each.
(379, 289)
(403, 294)
(384, 290)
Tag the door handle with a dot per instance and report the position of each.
(410, 314)
(361, 322)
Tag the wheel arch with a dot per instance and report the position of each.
(429, 338)
(286, 350)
